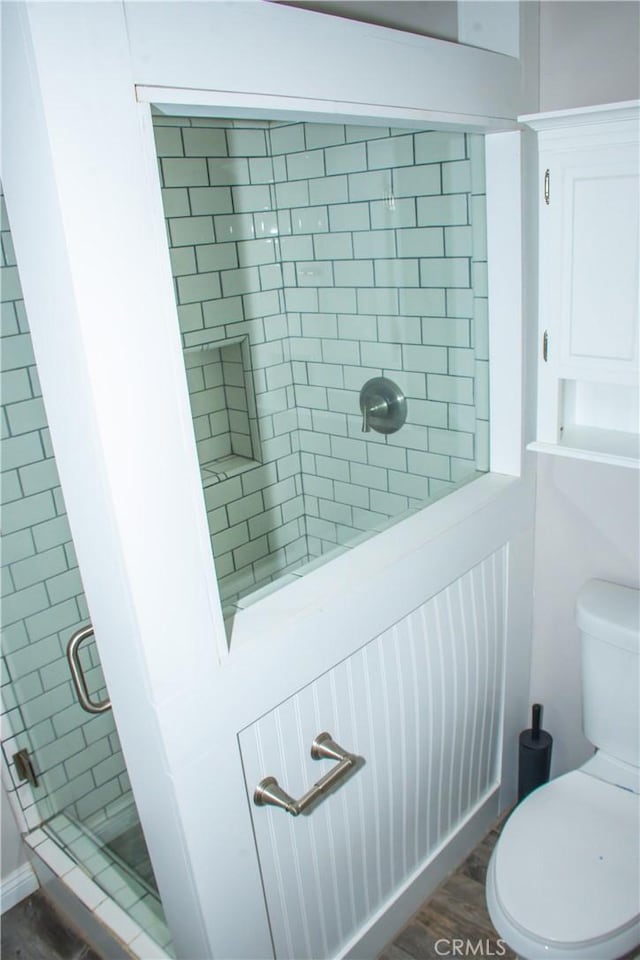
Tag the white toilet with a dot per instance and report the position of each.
(564, 878)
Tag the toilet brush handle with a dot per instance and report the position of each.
(536, 711)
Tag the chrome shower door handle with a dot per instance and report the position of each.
(270, 793)
(77, 674)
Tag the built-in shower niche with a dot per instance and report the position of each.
(223, 408)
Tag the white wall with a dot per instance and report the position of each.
(587, 522)
(588, 52)
(12, 852)
(17, 879)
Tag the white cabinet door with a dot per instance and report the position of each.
(590, 231)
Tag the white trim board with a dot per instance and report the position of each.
(602, 113)
(177, 102)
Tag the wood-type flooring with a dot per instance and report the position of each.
(33, 930)
(454, 920)
(457, 911)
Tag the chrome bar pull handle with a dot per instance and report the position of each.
(270, 793)
(77, 674)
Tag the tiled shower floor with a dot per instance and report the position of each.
(131, 849)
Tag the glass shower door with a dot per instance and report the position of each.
(66, 764)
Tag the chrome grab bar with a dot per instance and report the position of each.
(77, 675)
(270, 793)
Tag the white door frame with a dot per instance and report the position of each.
(88, 228)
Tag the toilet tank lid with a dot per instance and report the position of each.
(611, 613)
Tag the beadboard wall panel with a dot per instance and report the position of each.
(421, 704)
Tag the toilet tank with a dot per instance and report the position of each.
(608, 617)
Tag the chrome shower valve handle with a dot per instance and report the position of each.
(383, 406)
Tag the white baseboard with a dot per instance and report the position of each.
(16, 886)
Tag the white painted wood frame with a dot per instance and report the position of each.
(83, 197)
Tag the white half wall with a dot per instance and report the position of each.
(588, 523)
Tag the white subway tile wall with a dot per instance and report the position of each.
(341, 253)
(77, 757)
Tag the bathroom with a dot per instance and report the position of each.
(188, 706)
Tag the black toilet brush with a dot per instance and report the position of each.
(534, 760)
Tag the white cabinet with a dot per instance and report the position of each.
(589, 311)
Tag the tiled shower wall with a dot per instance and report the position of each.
(343, 253)
(77, 756)
(222, 225)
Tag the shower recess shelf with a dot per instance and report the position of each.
(223, 405)
(215, 471)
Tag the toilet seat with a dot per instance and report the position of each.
(579, 888)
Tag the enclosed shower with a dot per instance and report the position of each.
(332, 299)
(331, 291)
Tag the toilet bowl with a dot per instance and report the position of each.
(564, 878)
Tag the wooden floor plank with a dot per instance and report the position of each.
(419, 940)
(33, 930)
(476, 864)
(455, 911)
(461, 901)
(394, 952)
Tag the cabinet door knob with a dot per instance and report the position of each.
(545, 346)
